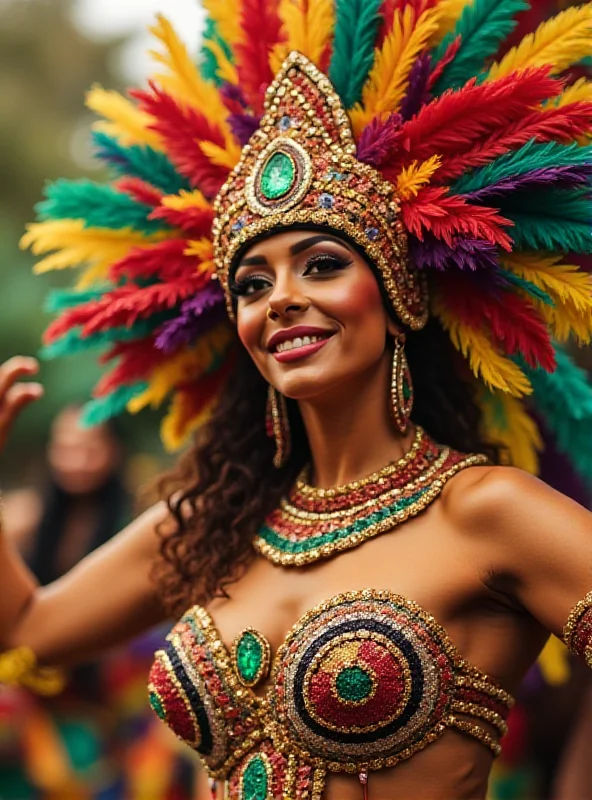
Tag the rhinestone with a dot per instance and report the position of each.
(285, 123)
(326, 200)
(278, 176)
(372, 233)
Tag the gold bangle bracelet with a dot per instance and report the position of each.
(19, 667)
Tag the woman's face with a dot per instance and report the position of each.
(329, 326)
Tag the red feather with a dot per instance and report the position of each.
(182, 128)
(445, 215)
(550, 125)
(458, 119)
(140, 190)
(165, 260)
(194, 222)
(261, 27)
(127, 304)
(514, 324)
(138, 360)
(447, 58)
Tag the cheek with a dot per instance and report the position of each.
(250, 323)
(358, 302)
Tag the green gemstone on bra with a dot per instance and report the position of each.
(353, 684)
(254, 783)
(249, 657)
(278, 176)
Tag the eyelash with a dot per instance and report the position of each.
(336, 262)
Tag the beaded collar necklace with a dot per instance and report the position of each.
(312, 524)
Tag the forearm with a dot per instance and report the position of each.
(18, 587)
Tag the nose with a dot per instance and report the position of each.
(287, 299)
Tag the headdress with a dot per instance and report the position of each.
(457, 164)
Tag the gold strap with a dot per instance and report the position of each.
(19, 667)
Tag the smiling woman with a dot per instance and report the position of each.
(340, 270)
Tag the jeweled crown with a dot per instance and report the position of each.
(300, 168)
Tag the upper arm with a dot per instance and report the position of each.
(539, 540)
(105, 600)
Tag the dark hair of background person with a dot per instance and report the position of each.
(226, 484)
(111, 501)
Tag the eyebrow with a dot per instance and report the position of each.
(295, 250)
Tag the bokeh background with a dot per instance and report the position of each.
(51, 52)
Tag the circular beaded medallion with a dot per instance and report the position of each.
(251, 656)
(364, 677)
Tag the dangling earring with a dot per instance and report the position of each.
(278, 427)
(401, 387)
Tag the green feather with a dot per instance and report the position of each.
(97, 206)
(564, 400)
(356, 29)
(532, 289)
(555, 220)
(72, 342)
(139, 161)
(59, 300)
(482, 26)
(103, 408)
(532, 156)
(209, 65)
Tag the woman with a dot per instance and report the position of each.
(419, 592)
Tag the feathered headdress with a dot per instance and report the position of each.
(486, 150)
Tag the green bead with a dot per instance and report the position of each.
(406, 389)
(353, 684)
(249, 657)
(157, 706)
(278, 176)
(254, 783)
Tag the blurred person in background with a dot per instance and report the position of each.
(96, 740)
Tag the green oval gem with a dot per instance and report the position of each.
(249, 658)
(278, 176)
(353, 684)
(255, 781)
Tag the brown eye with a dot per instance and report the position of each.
(325, 263)
(249, 286)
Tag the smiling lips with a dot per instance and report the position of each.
(296, 343)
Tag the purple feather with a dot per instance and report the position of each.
(234, 94)
(243, 126)
(467, 254)
(379, 141)
(200, 313)
(568, 175)
(417, 94)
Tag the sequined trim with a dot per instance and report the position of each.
(577, 633)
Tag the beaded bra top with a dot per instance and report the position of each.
(361, 682)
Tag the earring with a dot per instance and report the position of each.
(401, 387)
(278, 427)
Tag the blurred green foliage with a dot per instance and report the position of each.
(46, 67)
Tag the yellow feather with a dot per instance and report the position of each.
(507, 423)
(125, 122)
(200, 248)
(412, 178)
(496, 371)
(226, 69)
(227, 17)
(554, 662)
(228, 156)
(449, 12)
(184, 81)
(578, 92)
(185, 200)
(185, 366)
(559, 42)
(308, 26)
(175, 429)
(76, 245)
(389, 79)
(566, 283)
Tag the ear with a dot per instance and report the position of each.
(393, 326)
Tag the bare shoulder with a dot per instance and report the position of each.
(490, 500)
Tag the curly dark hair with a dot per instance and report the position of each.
(226, 484)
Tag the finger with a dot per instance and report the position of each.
(16, 399)
(14, 369)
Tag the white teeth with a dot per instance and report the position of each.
(298, 342)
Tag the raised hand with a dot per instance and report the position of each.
(15, 394)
